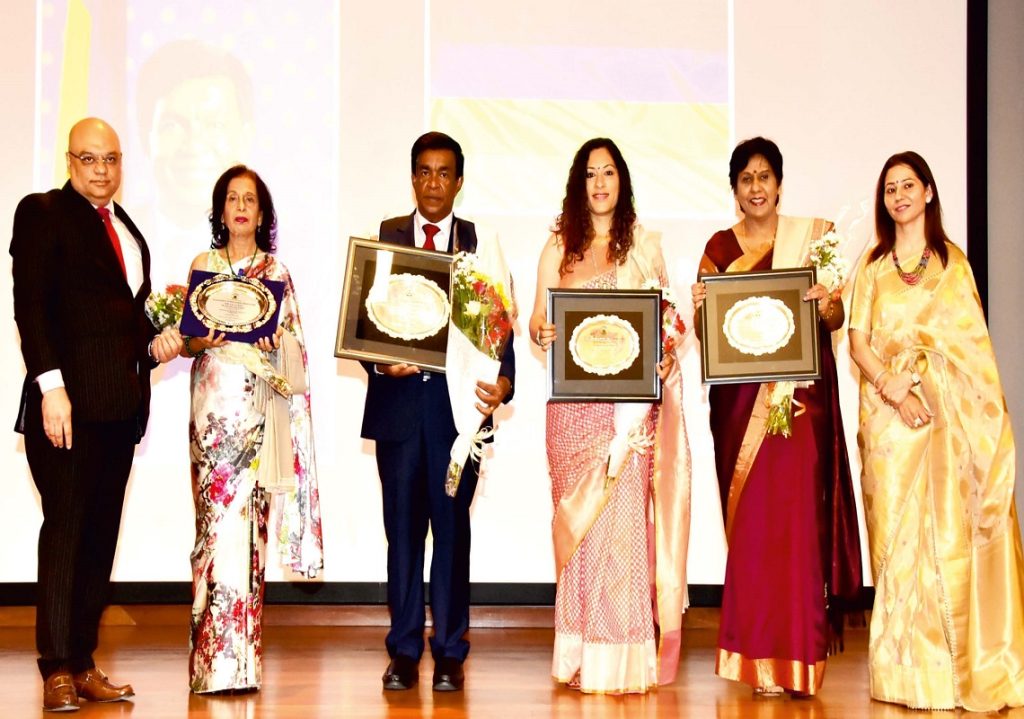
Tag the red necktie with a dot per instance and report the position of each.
(112, 234)
(430, 231)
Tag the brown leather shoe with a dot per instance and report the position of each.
(93, 685)
(59, 693)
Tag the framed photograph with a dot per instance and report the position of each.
(395, 305)
(608, 345)
(755, 327)
(243, 308)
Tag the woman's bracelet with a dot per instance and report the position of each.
(874, 382)
(188, 349)
(536, 337)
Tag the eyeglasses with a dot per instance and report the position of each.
(111, 160)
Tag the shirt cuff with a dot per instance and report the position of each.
(51, 379)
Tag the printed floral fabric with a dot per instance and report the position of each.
(226, 434)
(947, 628)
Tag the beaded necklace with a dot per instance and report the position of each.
(914, 276)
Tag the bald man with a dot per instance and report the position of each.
(81, 278)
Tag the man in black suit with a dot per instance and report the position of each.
(409, 415)
(81, 278)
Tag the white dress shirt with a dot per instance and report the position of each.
(441, 238)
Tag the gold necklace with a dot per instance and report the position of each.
(744, 239)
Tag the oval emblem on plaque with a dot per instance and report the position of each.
(758, 325)
(412, 308)
(229, 303)
(604, 345)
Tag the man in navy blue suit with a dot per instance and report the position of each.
(409, 415)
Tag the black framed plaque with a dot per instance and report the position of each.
(607, 346)
(756, 327)
(395, 305)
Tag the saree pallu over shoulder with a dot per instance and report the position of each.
(793, 545)
(948, 623)
(580, 506)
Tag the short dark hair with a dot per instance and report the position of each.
(177, 62)
(266, 231)
(885, 227)
(746, 150)
(438, 141)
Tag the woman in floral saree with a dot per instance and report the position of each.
(791, 523)
(947, 628)
(251, 446)
(620, 477)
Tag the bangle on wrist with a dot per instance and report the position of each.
(149, 350)
(536, 337)
(188, 349)
(878, 376)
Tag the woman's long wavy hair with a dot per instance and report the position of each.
(885, 227)
(574, 225)
(266, 232)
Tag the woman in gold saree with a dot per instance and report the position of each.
(619, 472)
(947, 628)
(791, 524)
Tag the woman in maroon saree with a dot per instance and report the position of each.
(791, 523)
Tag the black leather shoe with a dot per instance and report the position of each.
(402, 673)
(448, 675)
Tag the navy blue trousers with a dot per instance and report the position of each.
(412, 474)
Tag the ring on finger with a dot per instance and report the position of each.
(918, 422)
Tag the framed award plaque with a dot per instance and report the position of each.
(395, 305)
(243, 308)
(608, 345)
(756, 327)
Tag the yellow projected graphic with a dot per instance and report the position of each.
(521, 150)
(74, 82)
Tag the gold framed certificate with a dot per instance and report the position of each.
(607, 347)
(395, 305)
(243, 308)
(755, 327)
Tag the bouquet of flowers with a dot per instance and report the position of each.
(164, 309)
(480, 328)
(481, 308)
(827, 257)
(630, 417)
(832, 269)
(673, 327)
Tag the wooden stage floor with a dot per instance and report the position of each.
(334, 671)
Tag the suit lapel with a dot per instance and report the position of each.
(88, 226)
(144, 288)
(407, 232)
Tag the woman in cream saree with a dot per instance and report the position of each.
(947, 628)
(619, 473)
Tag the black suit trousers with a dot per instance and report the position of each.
(82, 493)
